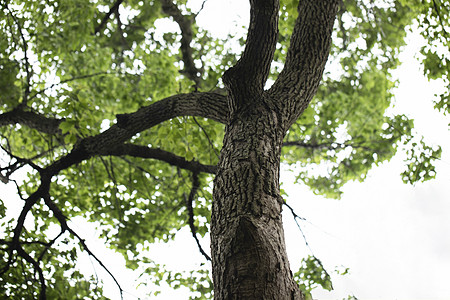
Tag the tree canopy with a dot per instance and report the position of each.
(107, 115)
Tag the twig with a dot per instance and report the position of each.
(296, 218)
(206, 134)
(201, 8)
(49, 244)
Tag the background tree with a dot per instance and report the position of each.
(127, 125)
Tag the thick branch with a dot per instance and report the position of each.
(208, 105)
(307, 55)
(32, 120)
(248, 77)
(159, 154)
(185, 24)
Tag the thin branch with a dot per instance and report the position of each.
(22, 253)
(65, 227)
(86, 248)
(112, 177)
(296, 218)
(189, 201)
(207, 136)
(49, 244)
(27, 62)
(185, 24)
(22, 160)
(66, 81)
(201, 8)
(438, 11)
(105, 19)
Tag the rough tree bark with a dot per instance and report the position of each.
(247, 239)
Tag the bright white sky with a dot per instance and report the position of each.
(395, 238)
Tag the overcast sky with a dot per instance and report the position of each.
(395, 238)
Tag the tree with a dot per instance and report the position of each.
(121, 122)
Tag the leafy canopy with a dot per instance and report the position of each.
(69, 69)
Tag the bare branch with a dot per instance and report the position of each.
(49, 244)
(21, 161)
(201, 8)
(189, 201)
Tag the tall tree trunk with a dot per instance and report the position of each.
(248, 248)
(249, 258)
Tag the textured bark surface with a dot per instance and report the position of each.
(247, 239)
(248, 250)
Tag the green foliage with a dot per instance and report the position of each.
(198, 282)
(84, 71)
(65, 280)
(347, 129)
(311, 275)
(419, 162)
